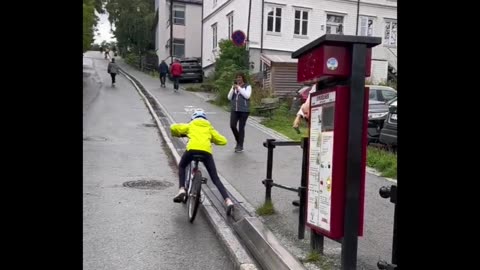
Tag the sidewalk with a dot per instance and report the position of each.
(245, 172)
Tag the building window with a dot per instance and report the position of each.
(230, 24)
(366, 26)
(301, 23)
(214, 35)
(390, 37)
(274, 19)
(179, 14)
(334, 24)
(179, 48)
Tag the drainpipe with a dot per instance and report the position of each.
(261, 33)
(358, 16)
(248, 34)
(201, 42)
(171, 31)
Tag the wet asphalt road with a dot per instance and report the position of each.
(123, 227)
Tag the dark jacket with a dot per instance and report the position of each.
(163, 68)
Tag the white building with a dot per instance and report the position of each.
(187, 29)
(285, 26)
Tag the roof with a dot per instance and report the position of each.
(277, 58)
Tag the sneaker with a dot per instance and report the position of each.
(229, 206)
(238, 149)
(180, 196)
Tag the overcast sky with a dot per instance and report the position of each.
(103, 27)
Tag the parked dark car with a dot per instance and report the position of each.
(377, 113)
(192, 69)
(388, 134)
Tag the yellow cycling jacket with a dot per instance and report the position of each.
(201, 134)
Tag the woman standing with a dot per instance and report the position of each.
(239, 97)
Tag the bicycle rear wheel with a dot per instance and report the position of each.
(194, 196)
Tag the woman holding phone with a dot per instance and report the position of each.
(239, 97)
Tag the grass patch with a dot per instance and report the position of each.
(383, 161)
(266, 209)
(283, 124)
(282, 121)
(194, 87)
(318, 259)
(312, 257)
(153, 73)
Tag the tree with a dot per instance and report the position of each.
(90, 20)
(230, 55)
(133, 20)
(232, 59)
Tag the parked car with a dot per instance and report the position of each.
(388, 134)
(377, 113)
(192, 69)
(382, 93)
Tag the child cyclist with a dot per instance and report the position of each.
(201, 135)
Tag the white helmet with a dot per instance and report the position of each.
(199, 113)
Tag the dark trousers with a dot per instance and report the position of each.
(209, 164)
(113, 77)
(176, 82)
(162, 78)
(239, 133)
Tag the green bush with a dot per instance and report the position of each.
(223, 83)
(132, 59)
(230, 55)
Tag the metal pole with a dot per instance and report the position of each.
(354, 161)
(393, 199)
(303, 190)
(268, 181)
(391, 192)
(316, 241)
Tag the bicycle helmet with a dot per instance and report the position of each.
(199, 113)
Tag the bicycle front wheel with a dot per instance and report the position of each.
(194, 196)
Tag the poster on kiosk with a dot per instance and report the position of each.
(328, 140)
(330, 58)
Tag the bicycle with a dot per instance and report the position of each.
(193, 185)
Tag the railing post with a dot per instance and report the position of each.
(303, 190)
(391, 192)
(268, 181)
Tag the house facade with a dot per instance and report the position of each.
(186, 33)
(280, 27)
